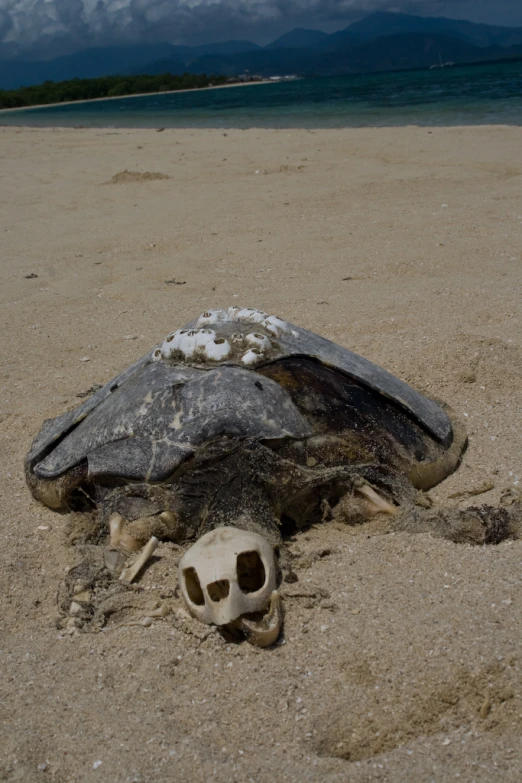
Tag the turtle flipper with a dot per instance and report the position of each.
(473, 525)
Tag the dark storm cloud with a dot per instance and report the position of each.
(52, 26)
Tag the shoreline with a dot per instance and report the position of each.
(460, 127)
(135, 95)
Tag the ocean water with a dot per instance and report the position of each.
(463, 95)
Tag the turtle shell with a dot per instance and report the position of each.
(230, 374)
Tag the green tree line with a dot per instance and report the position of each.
(104, 87)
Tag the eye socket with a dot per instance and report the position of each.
(218, 590)
(251, 574)
(193, 586)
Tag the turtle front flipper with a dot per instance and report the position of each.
(480, 525)
(300, 494)
(353, 424)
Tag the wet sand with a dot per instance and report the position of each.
(402, 653)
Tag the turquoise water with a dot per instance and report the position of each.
(471, 95)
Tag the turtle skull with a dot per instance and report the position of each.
(229, 578)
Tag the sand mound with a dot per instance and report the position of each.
(394, 716)
(123, 177)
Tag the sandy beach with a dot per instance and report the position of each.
(402, 653)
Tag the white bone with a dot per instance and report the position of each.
(217, 349)
(83, 597)
(143, 622)
(275, 325)
(251, 357)
(119, 537)
(116, 524)
(161, 611)
(266, 631)
(130, 574)
(146, 620)
(226, 574)
(259, 341)
(377, 503)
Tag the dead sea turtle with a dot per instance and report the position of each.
(237, 429)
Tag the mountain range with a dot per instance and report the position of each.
(381, 41)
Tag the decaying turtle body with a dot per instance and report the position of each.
(245, 422)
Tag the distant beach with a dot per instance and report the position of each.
(134, 95)
(462, 95)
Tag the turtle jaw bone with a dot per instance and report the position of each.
(264, 632)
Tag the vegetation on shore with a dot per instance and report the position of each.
(104, 87)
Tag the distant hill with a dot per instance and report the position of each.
(385, 23)
(298, 39)
(401, 51)
(111, 60)
(224, 47)
(391, 52)
(190, 59)
(381, 41)
(87, 64)
(263, 62)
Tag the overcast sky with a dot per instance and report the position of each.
(45, 28)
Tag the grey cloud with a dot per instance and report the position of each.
(51, 27)
(6, 23)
